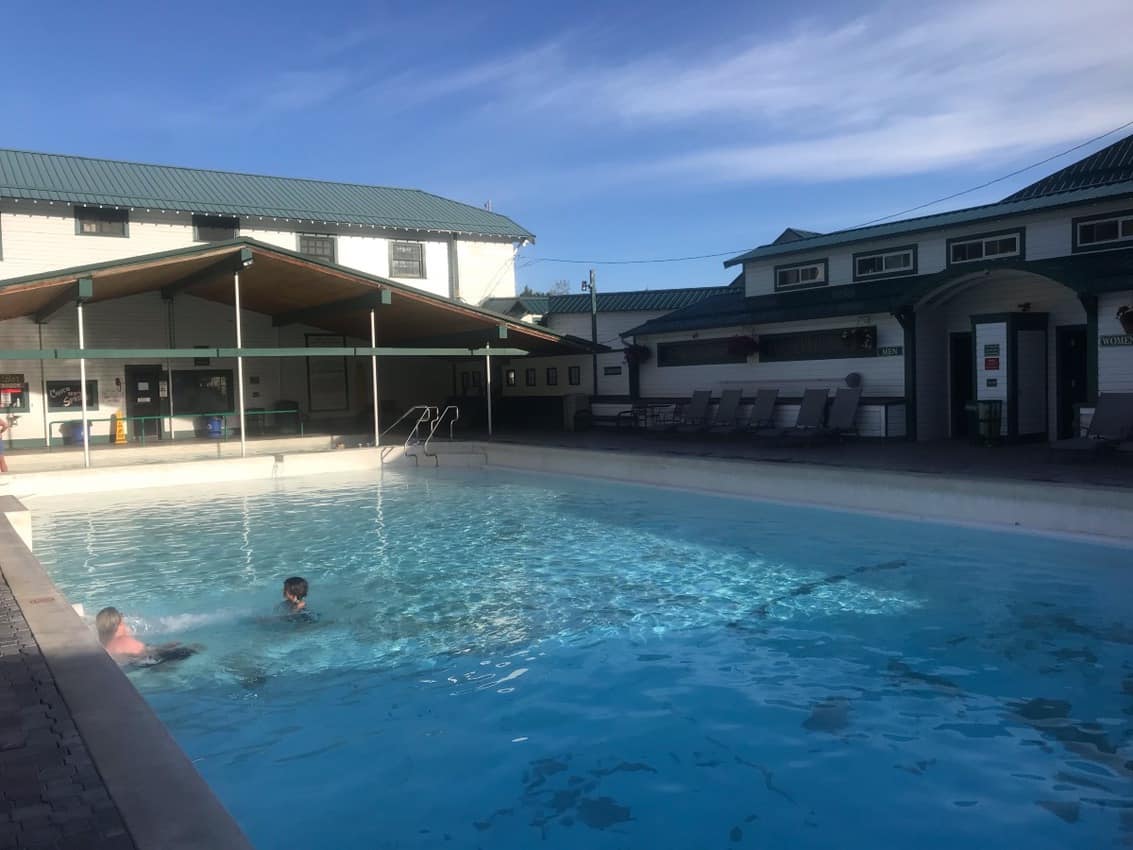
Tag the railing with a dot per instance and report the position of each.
(424, 416)
(223, 415)
(437, 424)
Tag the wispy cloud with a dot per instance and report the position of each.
(908, 89)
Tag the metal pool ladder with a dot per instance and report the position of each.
(425, 413)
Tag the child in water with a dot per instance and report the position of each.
(118, 640)
(294, 596)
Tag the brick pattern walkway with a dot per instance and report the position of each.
(51, 795)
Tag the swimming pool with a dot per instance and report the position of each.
(507, 660)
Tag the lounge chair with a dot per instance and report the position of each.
(1111, 424)
(763, 410)
(727, 419)
(840, 421)
(812, 414)
(694, 415)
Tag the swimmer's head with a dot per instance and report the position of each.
(295, 589)
(107, 621)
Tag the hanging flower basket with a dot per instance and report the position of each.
(742, 345)
(1125, 316)
(859, 338)
(637, 354)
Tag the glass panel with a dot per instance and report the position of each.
(1126, 227)
(898, 261)
(405, 268)
(699, 352)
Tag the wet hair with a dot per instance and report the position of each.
(296, 587)
(107, 622)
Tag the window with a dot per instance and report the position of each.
(215, 228)
(319, 246)
(509, 377)
(1099, 232)
(895, 262)
(552, 376)
(200, 391)
(529, 377)
(800, 275)
(406, 259)
(611, 370)
(698, 352)
(92, 221)
(994, 246)
(574, 375)
(836, 343)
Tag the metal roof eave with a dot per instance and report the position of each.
(968, 215)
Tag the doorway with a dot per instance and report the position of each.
(144, 397)
(1072, 378)
(961, 380)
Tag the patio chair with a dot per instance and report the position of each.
(812, 414)
(1111, 424)
(727, 419)
(763, 410)
(840, 421)
(694, 415)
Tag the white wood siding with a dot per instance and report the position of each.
(1115, 363)
(1046, 234)
(36, 238)
(881, 376)
(610, 325)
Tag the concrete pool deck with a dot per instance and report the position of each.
(86, 763)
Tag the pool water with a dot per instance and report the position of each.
(507, 660)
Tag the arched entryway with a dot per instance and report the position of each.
(1001, 334)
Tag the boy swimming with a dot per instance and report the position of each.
(294, 596)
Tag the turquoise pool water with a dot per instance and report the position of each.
(514, 661)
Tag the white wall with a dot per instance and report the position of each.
(40, 237)
(610, 325)
(881, 376)
(1115, 363)
(1047, 234)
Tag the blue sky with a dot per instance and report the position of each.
(611, 130)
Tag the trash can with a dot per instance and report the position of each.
(991, 420)
(73, 432)
(215, 427)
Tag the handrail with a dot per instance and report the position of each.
(414, 438)
(437, 424)
(425, 407)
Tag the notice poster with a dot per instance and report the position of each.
(326, 376)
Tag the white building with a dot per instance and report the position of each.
(152, 251)
(1016, 301)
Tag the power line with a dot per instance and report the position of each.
(1015, 173)
(530, 261)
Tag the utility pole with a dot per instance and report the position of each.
(592, 286)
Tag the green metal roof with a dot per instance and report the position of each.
(105, 182)
(641, 300)
(531, 304)
(1112, 164)
(1104, 175)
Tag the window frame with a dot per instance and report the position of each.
(767, 344)
(531, 377)
(552, 376)
(213, 221)
(574, 376)
(421, 246)
(329, 237)
(823, 264)
(510, 379)
(1020, 247)
(1120, 216)
(666, 350)
(911, 250)
(116, 215)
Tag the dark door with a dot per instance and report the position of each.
(962, 380)
(1070, 345)
(144, 398)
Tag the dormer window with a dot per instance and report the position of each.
(993, 246)
(800, 275)
(1100, 232)
(894, 262)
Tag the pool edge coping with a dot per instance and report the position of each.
(164, 802)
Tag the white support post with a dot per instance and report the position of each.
(43, 392)
(374, 375)
(240, 366)
(83, 389)
(169, 395)
(488, 382)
